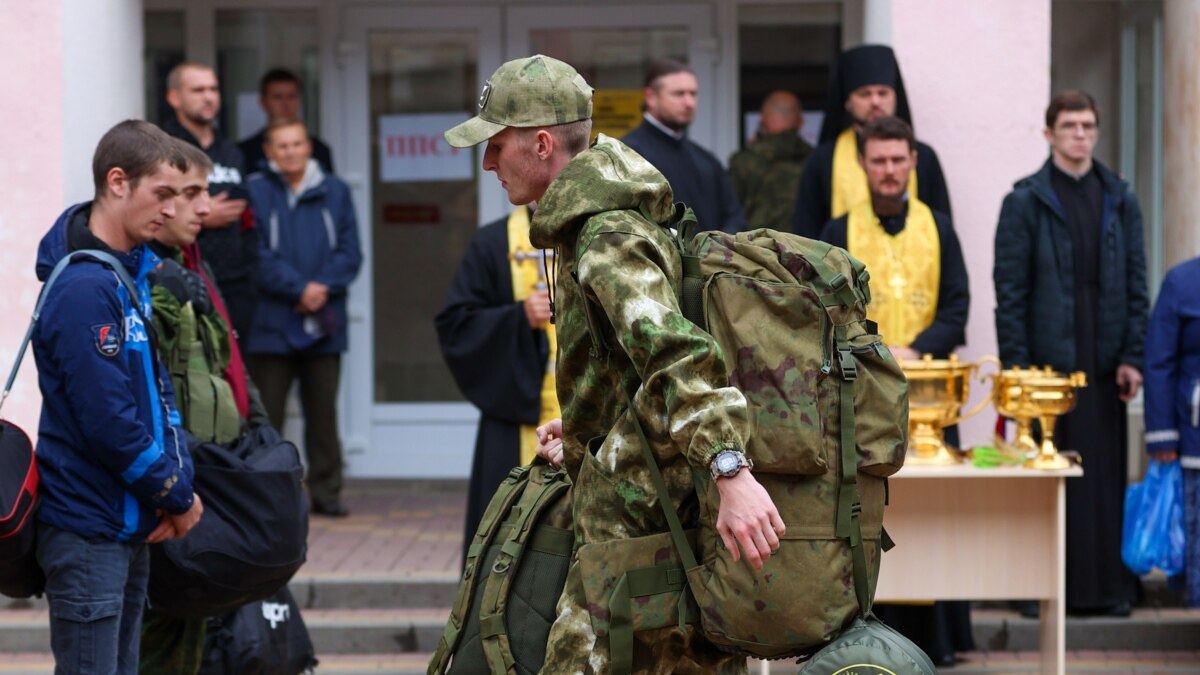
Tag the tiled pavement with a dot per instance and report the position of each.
(377, 586)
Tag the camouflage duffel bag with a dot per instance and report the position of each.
(515, 571)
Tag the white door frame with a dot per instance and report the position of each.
(413, 440)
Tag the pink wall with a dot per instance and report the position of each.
(31, 170)
(978, 81)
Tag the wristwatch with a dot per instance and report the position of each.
(728, 463)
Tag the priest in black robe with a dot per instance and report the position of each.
(1070, 279)
(921, 308)
(498, 348)
(696, 176)
(866, 84)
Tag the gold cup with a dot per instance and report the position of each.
(1042, 394)
(937, 391)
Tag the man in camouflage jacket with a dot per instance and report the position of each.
(620, 328)
(766, 175)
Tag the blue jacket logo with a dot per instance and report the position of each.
(107, 339)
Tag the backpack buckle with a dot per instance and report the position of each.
(846, 361)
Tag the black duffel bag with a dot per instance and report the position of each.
(253, 535)
(267, 637)
(20, 576)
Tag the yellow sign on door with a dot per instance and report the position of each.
(616, 112)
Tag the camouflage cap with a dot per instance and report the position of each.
(536, 91)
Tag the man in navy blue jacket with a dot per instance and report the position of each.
(115, 471)
(309, 255)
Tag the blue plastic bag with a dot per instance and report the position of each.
(1153, 530)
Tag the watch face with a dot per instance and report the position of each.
(727, 462)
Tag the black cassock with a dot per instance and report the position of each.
(498, 361)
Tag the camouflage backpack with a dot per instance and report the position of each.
(828, 405)
(515, 570)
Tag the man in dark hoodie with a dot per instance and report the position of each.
(115, 470)
(229, 241)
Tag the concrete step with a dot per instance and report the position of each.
(333, 631)
(41, 663)
(1173, 629)
(337, 591)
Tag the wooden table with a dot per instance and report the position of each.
(964, 533)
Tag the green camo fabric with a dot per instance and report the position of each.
(829, 408)
(196, 351)
(515, 570)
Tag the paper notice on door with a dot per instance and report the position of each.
(412, 148)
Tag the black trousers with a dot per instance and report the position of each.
(318, 375)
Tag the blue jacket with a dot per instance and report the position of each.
(1034, 278)
(312, 237)
(110, 451)
(1172, 378)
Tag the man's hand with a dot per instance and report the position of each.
(225, 211)
(905, 353)
(748, 518)
(175, 526)
(537, 308)
(550, 445)
(1129, 381)
(313, 297)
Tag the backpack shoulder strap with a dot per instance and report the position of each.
(543, 488)
(101, 256)
(489, 525)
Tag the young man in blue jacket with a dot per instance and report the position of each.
(115, 471)
(309, 255)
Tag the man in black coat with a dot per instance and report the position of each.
(279, 95)
(866, 85)
(497, 340)
(695, 174)
(1070, 278)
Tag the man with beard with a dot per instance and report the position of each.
(866, 85)
(229, 241)
(696, 175)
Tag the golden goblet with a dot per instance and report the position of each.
(1042, 394)
(937, 391)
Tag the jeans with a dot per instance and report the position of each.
(97, 592)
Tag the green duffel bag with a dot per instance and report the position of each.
(869, 647)
(515, 571)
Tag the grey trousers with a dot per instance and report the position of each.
(318, 375)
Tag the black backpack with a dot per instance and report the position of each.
(20, 575)
(253, 536)
(265, 637)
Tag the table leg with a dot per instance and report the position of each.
(1053, 631)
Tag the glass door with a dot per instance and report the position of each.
(409, 74)
(611, 46)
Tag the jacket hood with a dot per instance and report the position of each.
(608, 176)
(70, 233)
(782, 145)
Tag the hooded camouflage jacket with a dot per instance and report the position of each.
(620, 275)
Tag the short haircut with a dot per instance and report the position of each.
(175, 77)
(276, 75)
(664, 67)
(282, 122)
(1072, 100)
(573, 137)
(194, 157)
(888, 128)
(136, 147)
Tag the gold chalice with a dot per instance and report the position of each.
(937, 391)
(1042, 394)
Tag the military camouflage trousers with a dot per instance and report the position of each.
(573, 647)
